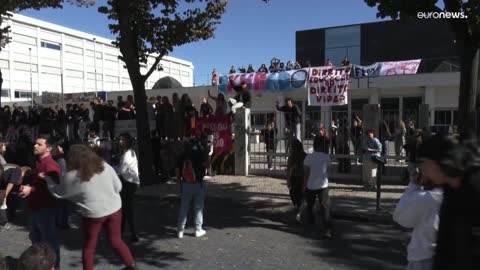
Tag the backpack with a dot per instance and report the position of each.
(188, 172)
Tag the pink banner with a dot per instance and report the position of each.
(221, 127)
(399, 67)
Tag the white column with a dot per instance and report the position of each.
(375, 96)
(84, 86)
(103, 68)
(11, 68)
(400, 108)
(430, 100)
(242, 127)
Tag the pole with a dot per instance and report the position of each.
(61, 77)
(475, 79)
(31, 78)
(95, 64)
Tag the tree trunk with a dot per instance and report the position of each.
(143, 132)
(1, 83)
(467, 93)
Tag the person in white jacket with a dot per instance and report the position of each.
(127, 170)
(418, 209)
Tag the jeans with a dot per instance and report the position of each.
(43, 228)
(324, 198)
(91, 230)
(196, 193)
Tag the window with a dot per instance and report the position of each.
(259, 120)
(25, 66)
(25, 94)
(185, 73)
(4, 64)
(341, 42)
(49, 45)
(24, 39)
(111, 57)
(446, 117)
(73, 49)
(443, 117)
(74, 73)
(51, 70)
(5, 92)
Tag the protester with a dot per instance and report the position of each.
(250, 69)
(263, 68)
(357, 135)
(296, 173)
(206, 109)
(242, 98)
(41, 205)
(456, 167)
(316, 183)
(3, 149)
(39, 256)
(214, 77)
(400, 141)
(89, 185)
(269, 134)
(10, 181)
(220, 104)
(292, 118)
(418, 209)
(372, 150)
(232, 70)
(189, 115)
(345, 62)
(190, 173)
(127, 170)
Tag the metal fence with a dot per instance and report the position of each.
(269, 146)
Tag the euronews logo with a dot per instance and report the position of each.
(441, 15)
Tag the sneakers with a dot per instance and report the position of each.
(200, 233)
(180, 234)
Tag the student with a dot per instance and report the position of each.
(316, 182)
(418, 209)
(128, 172)
(89, 185)
(190, 172)
(456, 167)
(37, 257)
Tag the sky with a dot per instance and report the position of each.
(251, 31)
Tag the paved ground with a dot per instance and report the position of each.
(250, 225)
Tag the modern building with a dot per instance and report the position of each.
(45, 57)
(436, 83)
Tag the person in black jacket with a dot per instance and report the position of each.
(456, 167)
(263, 68)
(242, 98)
(292, 117)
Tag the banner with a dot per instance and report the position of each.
(327, 86)
(387, 69)
(366, 71)
(221, 127)
(399, 67)
(264, 82)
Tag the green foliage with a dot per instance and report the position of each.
(408, 9)
(158, 26)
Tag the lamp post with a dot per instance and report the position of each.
(31, 77)
(95, 64)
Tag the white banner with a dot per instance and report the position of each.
(328, 86)
(399, 67)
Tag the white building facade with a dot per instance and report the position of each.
(45, 57)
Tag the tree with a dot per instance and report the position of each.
(9, 6)
(156, 27)
(467, 35)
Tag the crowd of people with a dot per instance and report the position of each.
(102, 191)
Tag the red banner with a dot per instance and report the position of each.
(221, 128)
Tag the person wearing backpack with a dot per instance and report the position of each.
(190, 173)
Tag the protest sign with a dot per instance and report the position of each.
(221, 127)
(327, 86)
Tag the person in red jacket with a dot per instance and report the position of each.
(41, 205)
